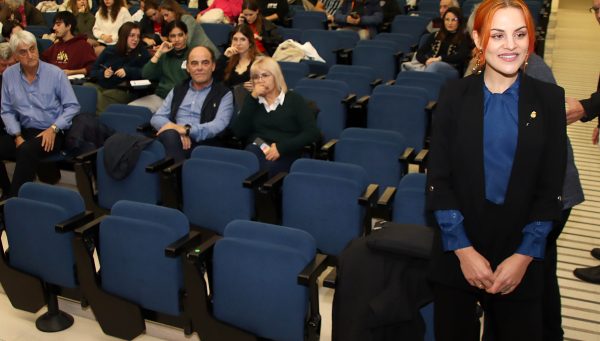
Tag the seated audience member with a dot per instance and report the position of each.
(70, 52)
(139, 14)
(85, 19)
(233, 67)
(265, 32)
(276, 122)
(24, 13)
(6, 59)
(331, 6)
(195, 111)
(447, 51)
(275, 11)
(109, 18)
(221, 11)
(118, 64)
(172, 11)
(9, 28)
(390, 10)
(38, 105)
(436, 23)
(151, 24)
(167, 66)
(360, 16)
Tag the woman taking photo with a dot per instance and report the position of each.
(277, 123)
(495, 175)
(171, 11)
(109, 18)
(233, 67)
(265, 32)
(447, 51)
(118, 64)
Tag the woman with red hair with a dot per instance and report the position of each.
(495, 175)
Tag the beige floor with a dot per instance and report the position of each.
(573, 51)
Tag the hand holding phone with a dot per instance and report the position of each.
(262, 145)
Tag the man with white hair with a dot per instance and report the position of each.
(38, 105)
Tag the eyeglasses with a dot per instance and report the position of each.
(594, 10)
(260, 76)
(451, 19)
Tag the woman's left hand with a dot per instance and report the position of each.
(121, 73)
(273, 153)
(509, 273)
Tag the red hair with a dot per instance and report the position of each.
(483, 22)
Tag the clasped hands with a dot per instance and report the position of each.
(478, 272)
(108, 72)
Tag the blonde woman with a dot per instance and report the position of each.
(275, 122)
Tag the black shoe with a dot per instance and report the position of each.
(591, 275)
(596, 252)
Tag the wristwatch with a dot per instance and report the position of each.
(187, 129)
(55, 128)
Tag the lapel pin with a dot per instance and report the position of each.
(533, 114)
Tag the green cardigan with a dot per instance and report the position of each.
(291, 126)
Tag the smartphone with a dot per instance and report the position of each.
(262, 145)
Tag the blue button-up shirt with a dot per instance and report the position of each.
(190, 110)
(500, 134)
(48, 100)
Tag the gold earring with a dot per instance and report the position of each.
(477, 68)
(526, 62)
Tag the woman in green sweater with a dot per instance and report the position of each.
(276, 123)
(167, 66)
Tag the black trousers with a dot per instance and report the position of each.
(171, 140)
(27, 157)
(282, 164)
(552, 315)
(455, 316)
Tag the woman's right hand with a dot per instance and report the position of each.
(241, 20)
(230, 51)
(108, 72)
(165, 47)
(475, 268)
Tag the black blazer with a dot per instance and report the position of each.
(591, 106)
(456, 167)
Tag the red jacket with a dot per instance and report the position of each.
(73, 54)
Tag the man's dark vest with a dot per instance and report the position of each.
(210, 105)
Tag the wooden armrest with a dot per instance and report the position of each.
(349, 99)
(176, 248)
(256, 179)
(74, 222)
(173, 168)
(90, 227)
(387, 197)
(89, 156)
(390, 82)
(376, 82)
(160, 165)
(430, 105)
(274, 182)
(312, 270)
(369, 195)
(203, 249)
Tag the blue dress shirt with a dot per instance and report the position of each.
(189, 113)
(500, 134)
(48, 100)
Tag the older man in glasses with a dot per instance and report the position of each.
(38, 105)
(195, 111)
